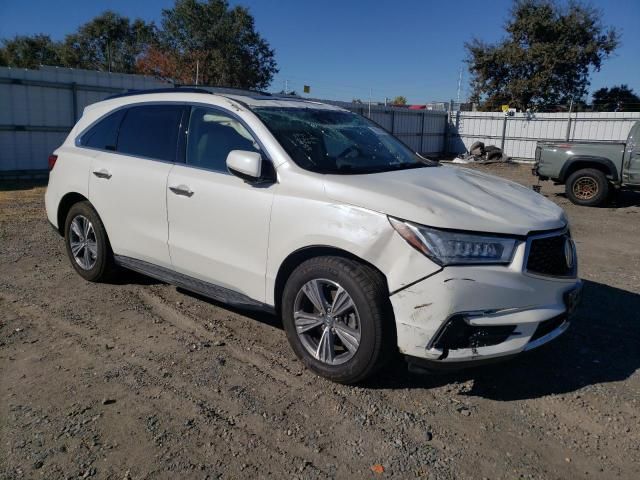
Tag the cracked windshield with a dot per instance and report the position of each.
(332, 141)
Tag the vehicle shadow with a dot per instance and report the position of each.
(129, 277)
(13, 185)
(601, 346)
(259, 315)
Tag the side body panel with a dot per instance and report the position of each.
(555, 158)
(70, 175)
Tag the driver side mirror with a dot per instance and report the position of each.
(244, 164)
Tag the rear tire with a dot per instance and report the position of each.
(356, 342)
(588, 187)
(87, 243)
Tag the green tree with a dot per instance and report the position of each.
(545, 58)
(29, 51)
(220, 42)
(399, 100)
(616, 99)
(109, 42)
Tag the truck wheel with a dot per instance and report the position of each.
(588, 187)
(338, 319)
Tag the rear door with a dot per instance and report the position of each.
(218, 223)
(128, 179)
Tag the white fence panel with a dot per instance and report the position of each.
(523, 130)
(39, 107)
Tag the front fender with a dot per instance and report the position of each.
(298, 223)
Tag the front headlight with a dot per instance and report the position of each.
(455, 248)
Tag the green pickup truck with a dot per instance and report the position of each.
(591, 171)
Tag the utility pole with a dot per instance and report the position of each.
(369, 102)
(459, 84)
(197, 71)
(568, 134)
(109, 53)
(286, 87)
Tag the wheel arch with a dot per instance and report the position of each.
(295, 258)
(580, 162)
(65, 204)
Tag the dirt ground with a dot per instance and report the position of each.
(140, 380)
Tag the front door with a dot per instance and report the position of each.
(218, 223)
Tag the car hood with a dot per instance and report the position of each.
(449, 197)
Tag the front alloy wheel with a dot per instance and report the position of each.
(338, 318)
(327, 321)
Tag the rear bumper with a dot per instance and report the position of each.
(465, 315)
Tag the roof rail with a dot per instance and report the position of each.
(223, 89)
(190, 89)
(159, 90)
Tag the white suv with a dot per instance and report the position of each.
(363, 247)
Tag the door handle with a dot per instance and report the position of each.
(102, 173)
(182, 190)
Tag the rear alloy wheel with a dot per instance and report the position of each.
(87, 243)
(338, 318)
(83, 243)
(588, 187)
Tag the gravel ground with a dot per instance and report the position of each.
(141, 380)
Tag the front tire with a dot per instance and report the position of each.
(337, 316)
(87, 243)
(588, 187)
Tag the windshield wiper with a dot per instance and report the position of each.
(408, 165)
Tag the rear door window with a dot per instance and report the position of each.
(212, 135)
(104, 134)
(151, 131)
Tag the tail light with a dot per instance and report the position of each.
(52, 161)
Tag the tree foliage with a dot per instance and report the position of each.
(615, 99)
(399, 100)
(109, 42)
(545, 59)
(218, 41)
(196, 35)
(30, 52)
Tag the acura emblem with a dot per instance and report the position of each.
(568, 251)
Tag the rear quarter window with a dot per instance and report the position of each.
(104, 134)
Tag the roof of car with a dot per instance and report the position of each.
(249, 98)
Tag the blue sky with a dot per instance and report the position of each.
(345, 49)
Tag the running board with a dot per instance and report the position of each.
(206, 289)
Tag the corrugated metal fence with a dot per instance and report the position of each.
(519, 133)
(39, 107)
(423, 131)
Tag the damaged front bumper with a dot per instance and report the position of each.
(468, 315)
